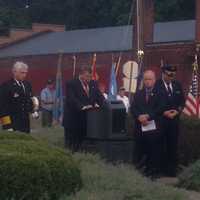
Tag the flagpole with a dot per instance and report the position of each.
(118, 63)
(140, 52)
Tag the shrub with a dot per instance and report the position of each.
(189, 141)
(190, 177)
(104, 181)
(33, 170)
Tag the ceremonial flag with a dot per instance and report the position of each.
(112, 95)
(74, 66)
(58, 107)
(192, 104)
(94, 73)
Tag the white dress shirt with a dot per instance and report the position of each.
(125, 100)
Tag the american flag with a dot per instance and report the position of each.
(192, 104)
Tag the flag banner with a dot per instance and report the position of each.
(58, 107)
(192, 103)
(94, 72)
(112, 95)
(74, 66)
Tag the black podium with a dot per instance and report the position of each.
(107, 122)
(106, 132)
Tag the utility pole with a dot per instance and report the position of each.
(140, 42)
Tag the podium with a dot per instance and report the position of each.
(107, 122)
(106, 132)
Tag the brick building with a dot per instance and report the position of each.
(173, 42)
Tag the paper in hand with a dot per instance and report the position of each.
(149, 127)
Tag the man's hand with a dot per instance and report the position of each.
(167, 113)
(174, 113)
(35, 115)
(143, 119)
(170, 113)
(87, 107)
(96, 105)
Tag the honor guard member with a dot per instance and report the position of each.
(16, 101)
(173, 102)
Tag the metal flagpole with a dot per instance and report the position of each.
(140, 52)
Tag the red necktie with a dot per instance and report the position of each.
(86, 87)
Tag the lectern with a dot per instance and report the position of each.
(108, 121)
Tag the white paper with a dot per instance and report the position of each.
(149, 127)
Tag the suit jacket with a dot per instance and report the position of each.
(16, 103)
(76, 98)
(153, 107)
(176, 100)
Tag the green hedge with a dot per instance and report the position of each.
(189, 140)
(190, 177)
(33, 170)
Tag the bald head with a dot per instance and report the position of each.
(149, 78)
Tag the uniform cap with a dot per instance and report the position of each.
(50, 81)
(170, 68)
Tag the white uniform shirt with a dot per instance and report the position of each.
(170, 85)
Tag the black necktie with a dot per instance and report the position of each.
(22, 86)
(169, 90)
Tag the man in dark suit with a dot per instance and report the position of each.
(82, 94)
(146, 110)
(173, 102)
(16, 101)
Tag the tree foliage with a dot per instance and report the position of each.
(78, 14)
(168, 10)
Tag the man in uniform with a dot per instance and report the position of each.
(16, 100)
(173, 102)
(146, 110)
(82, 94)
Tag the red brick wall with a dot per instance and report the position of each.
(148, 20)
(44, 67)
(36, 27)
(181, 56)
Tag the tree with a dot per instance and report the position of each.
(168, 10)
(76, 14)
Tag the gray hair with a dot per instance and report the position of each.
(19, 65)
